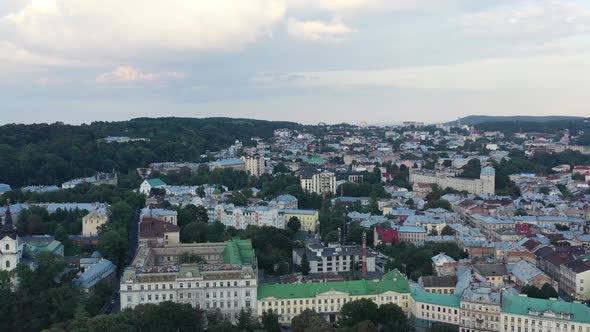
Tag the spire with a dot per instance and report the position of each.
(8, 228)
(7, 214)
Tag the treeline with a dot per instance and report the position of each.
(547, 127)
(47, 154)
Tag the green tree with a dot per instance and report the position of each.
(310, 321)
(358, 311)
(447, 230)
(392, 318)
(113, 246)
(305, 268)
(246, 320)
(270, 321)
(332, 236)
(294, 224)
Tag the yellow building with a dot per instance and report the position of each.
(327, 298)
(308, 218)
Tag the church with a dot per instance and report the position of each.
(10, 252)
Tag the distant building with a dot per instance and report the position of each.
(10, 252)
(147, 185)
(309, 219)
(93, 220)
(254, 165)
(155, 231)
(229, 163)
(169, 216)
(96, 180)
(438, 284)
(484, 185)
(333, 258)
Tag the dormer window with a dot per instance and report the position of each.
(8, 247)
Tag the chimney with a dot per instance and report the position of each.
(364, 255)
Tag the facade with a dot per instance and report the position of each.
(574, 283)
(227, 281)
(521, 313)
(327, 298)
(254, 165)
(480, 309)
(320, 183)
(309, 219)
(438, 284)
(428, 308)
(484, 185)
(93, 220)
(155, 231)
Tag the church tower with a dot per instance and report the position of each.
(9, 247)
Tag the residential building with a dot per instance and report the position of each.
(309, 219)
(229, 163)
(286, 201)
(227, 281)
(169, 216)
(412, 234)
(327, 298)
(493, 273)
(254, 165)
(321, 183)
(96, 180)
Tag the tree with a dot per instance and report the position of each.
(305, 268)
(310, 321)
(112, 246)
(545, 292)
(332, 236)
(270, 321)
(246, 320)
(392, 318)
(358, 311)
(365, 326)
(578, 177)
(294, 224)
(472, 169)
(447, 230)
(544, 190)
(6, 301)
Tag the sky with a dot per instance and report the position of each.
(309, 61)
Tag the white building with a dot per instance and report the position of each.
(148, 184)
(320, 183)
(484, 185)
(10, 253)
(227, 281)
(333, 258)
(93, 220)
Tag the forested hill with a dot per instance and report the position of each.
(478, 119)
(43, 154)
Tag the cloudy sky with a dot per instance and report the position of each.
(302, 60)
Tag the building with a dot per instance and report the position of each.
(285, 201)
(254, 165)
(321, 183)
(228, 163)
(522, 313)
(147, 185)
(93, 220)
(309, 219)
(327, 298)
(93, 274)
(169, 216)
(226, 281)
(155, 231)
(10, 252)
(484, 185)
(384, 235)
(493, 273)
(96, 180)
(480, 308)
(427, 308)
(574, 283)
(438, 284)
(333, 258)
(240, 218)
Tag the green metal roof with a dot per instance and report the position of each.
(437, 299)
(354, 288)
(238, 252)
(520, 305)
(156, 182)
(315, 160)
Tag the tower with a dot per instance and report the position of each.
(9, 250)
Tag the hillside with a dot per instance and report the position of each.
(477, 119)
(45, 154)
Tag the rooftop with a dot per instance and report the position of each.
(527, 306)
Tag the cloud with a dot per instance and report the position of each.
(555, 72)
(525, 18)
(127, 74)
(114, 29)
(317, 30)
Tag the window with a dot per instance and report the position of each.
(8, 247)
(7, 264)
(128, 287)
